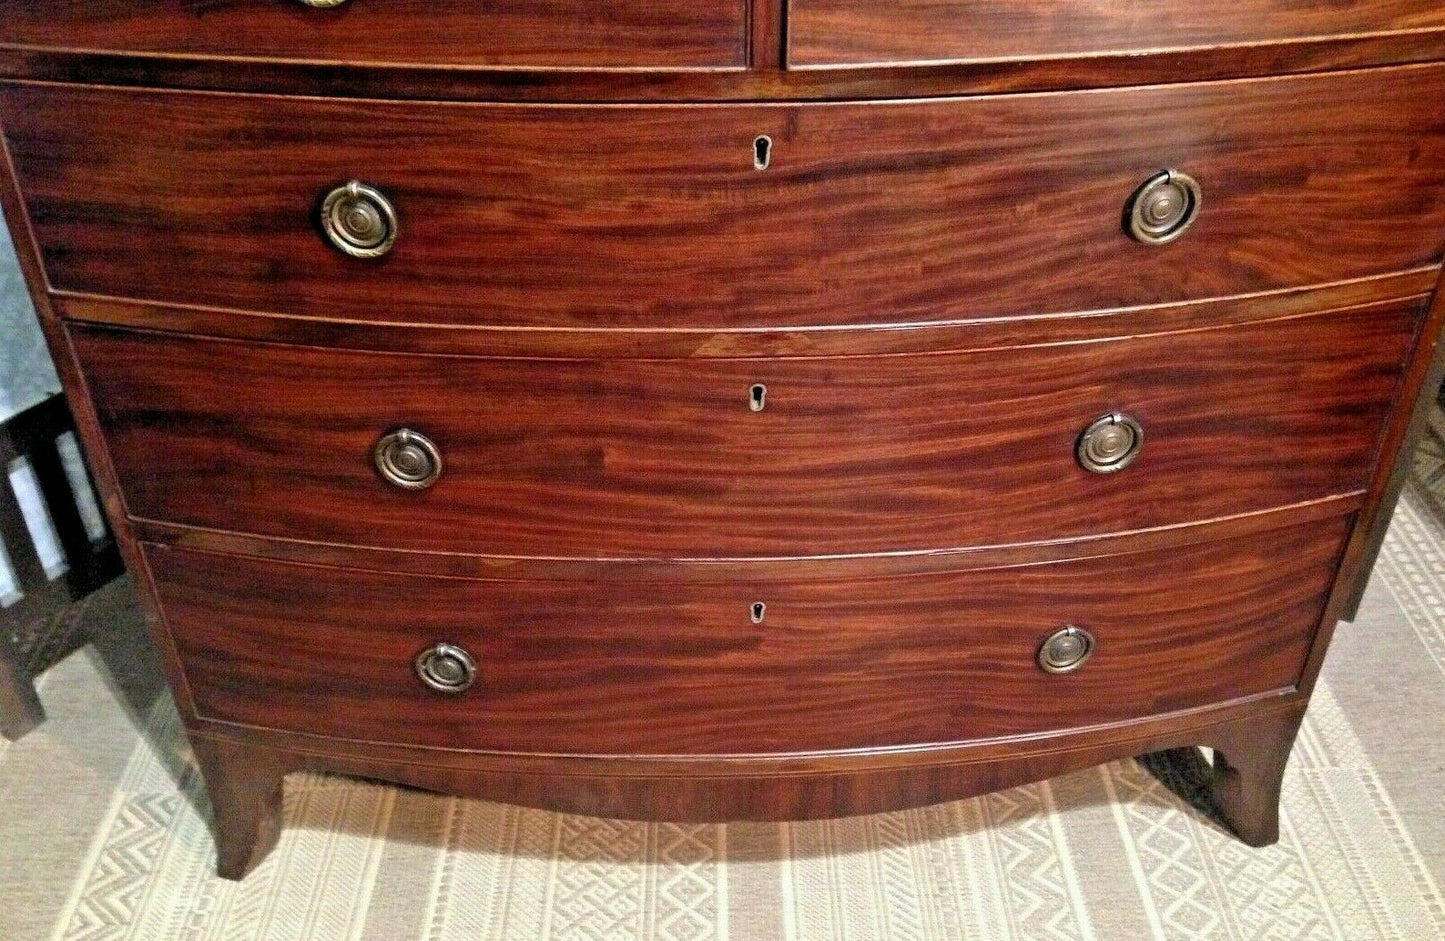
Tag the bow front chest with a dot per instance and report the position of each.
(740, 409)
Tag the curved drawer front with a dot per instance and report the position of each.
(553, 33)
(742, 458)
(852, 32)
(620, 667)
(636, 216)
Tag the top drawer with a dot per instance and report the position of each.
(501, 33)
(851, 32)
(655, 216)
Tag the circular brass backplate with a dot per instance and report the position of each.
(407, 459)
(359, 220)
(1065, 650)
(1109, 444)
(1163, 207)
(446, 668)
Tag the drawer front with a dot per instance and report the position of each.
(505, 33)
(669, 459)
(853, 32)
(655, 217)
(621, 667)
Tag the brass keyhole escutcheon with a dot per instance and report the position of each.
(758, 612)
(762, 152)
(758, 397)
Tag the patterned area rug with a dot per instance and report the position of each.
(1429, 466)
(103, 831)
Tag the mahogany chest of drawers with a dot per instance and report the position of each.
(740, 409)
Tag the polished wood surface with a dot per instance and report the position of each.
(763, 81)
(499, 33)
(655, 217)
(721, 571)
(251, 774)
(645, 668)
(936, 290)
(665, 459)
(849, 32)
(1415, 285)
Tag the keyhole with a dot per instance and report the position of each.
(759, 609)
(758, 397)
(762, 152)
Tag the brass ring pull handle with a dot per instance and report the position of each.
(446, 668)
(1109, 444)
(407, 459)
(1065, 650)
(322, 4)
(359, 220)
(1162, 208)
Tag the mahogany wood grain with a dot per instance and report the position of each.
(663, 343)
(766, 34)
(994, 219)
(852, 32)
(694, 572)
(1414, 405)
(666, 459)
(638, 668)
(1249, 765)
(674, 34)
(655, 217)
(244, 834)
(244, 785)
(760, 83)
(87, 429)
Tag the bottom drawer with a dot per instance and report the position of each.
(651, 667)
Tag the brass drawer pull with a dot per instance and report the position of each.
(446, 668)
(322, 4)
(359, 220)
(1109, 444)
(408, 459)
(1162, 208)
(1065, 650)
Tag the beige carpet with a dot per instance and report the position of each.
(98, 840)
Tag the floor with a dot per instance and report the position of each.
(103, 828)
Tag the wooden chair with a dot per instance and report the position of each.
(33, 435)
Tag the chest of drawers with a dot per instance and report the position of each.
(735, 410)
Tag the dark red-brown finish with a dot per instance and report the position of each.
(765, 81)
(655, 216)
(677, 34)
(638, 668)
(247, 768)
(666, 459)
(851, 32)
(582, 343)
(669, 275)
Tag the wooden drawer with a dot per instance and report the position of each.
(622, 667)
(640, 216)
(668, 459)
(852, 32)
(506, 33)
